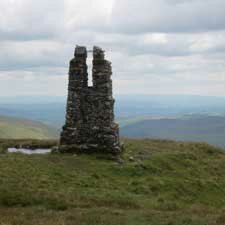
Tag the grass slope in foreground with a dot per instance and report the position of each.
(159, 183)
(21, 128)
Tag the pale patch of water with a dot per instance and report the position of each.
(29, 151)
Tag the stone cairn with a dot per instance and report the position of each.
(90, 125)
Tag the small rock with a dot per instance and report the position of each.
(120, 161)
(131, 158)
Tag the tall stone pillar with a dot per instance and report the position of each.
(90, 125)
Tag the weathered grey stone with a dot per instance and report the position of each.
(90, 116)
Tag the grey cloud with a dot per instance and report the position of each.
(26, 55)
(161, 54)
(163, 44)
(30, 20)
(149, 42)
(168, 16)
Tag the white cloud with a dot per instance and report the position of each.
(163, 46)
(25, 55)
(29, 83)
(87, 14)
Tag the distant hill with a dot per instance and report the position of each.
(50, 113)
(209, 129)
(159, 116)
(23, 128)
(51, 110)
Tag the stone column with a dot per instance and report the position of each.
(90, 125)
(78, 81)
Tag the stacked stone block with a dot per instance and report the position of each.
(90, 125)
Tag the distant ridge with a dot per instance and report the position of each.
(198, 128)
(14, 128)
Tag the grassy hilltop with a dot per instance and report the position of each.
(159, 183)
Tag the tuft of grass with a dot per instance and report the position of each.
(157, 182)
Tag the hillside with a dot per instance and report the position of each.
(138, 115)
(21, 128)
(209, 129)
(51, 109)
(201, 128)
(157, 183)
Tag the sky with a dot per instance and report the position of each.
(156, 46)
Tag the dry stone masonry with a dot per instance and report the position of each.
(90, 125)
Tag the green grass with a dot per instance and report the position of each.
(159, 182)
(21, 128)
